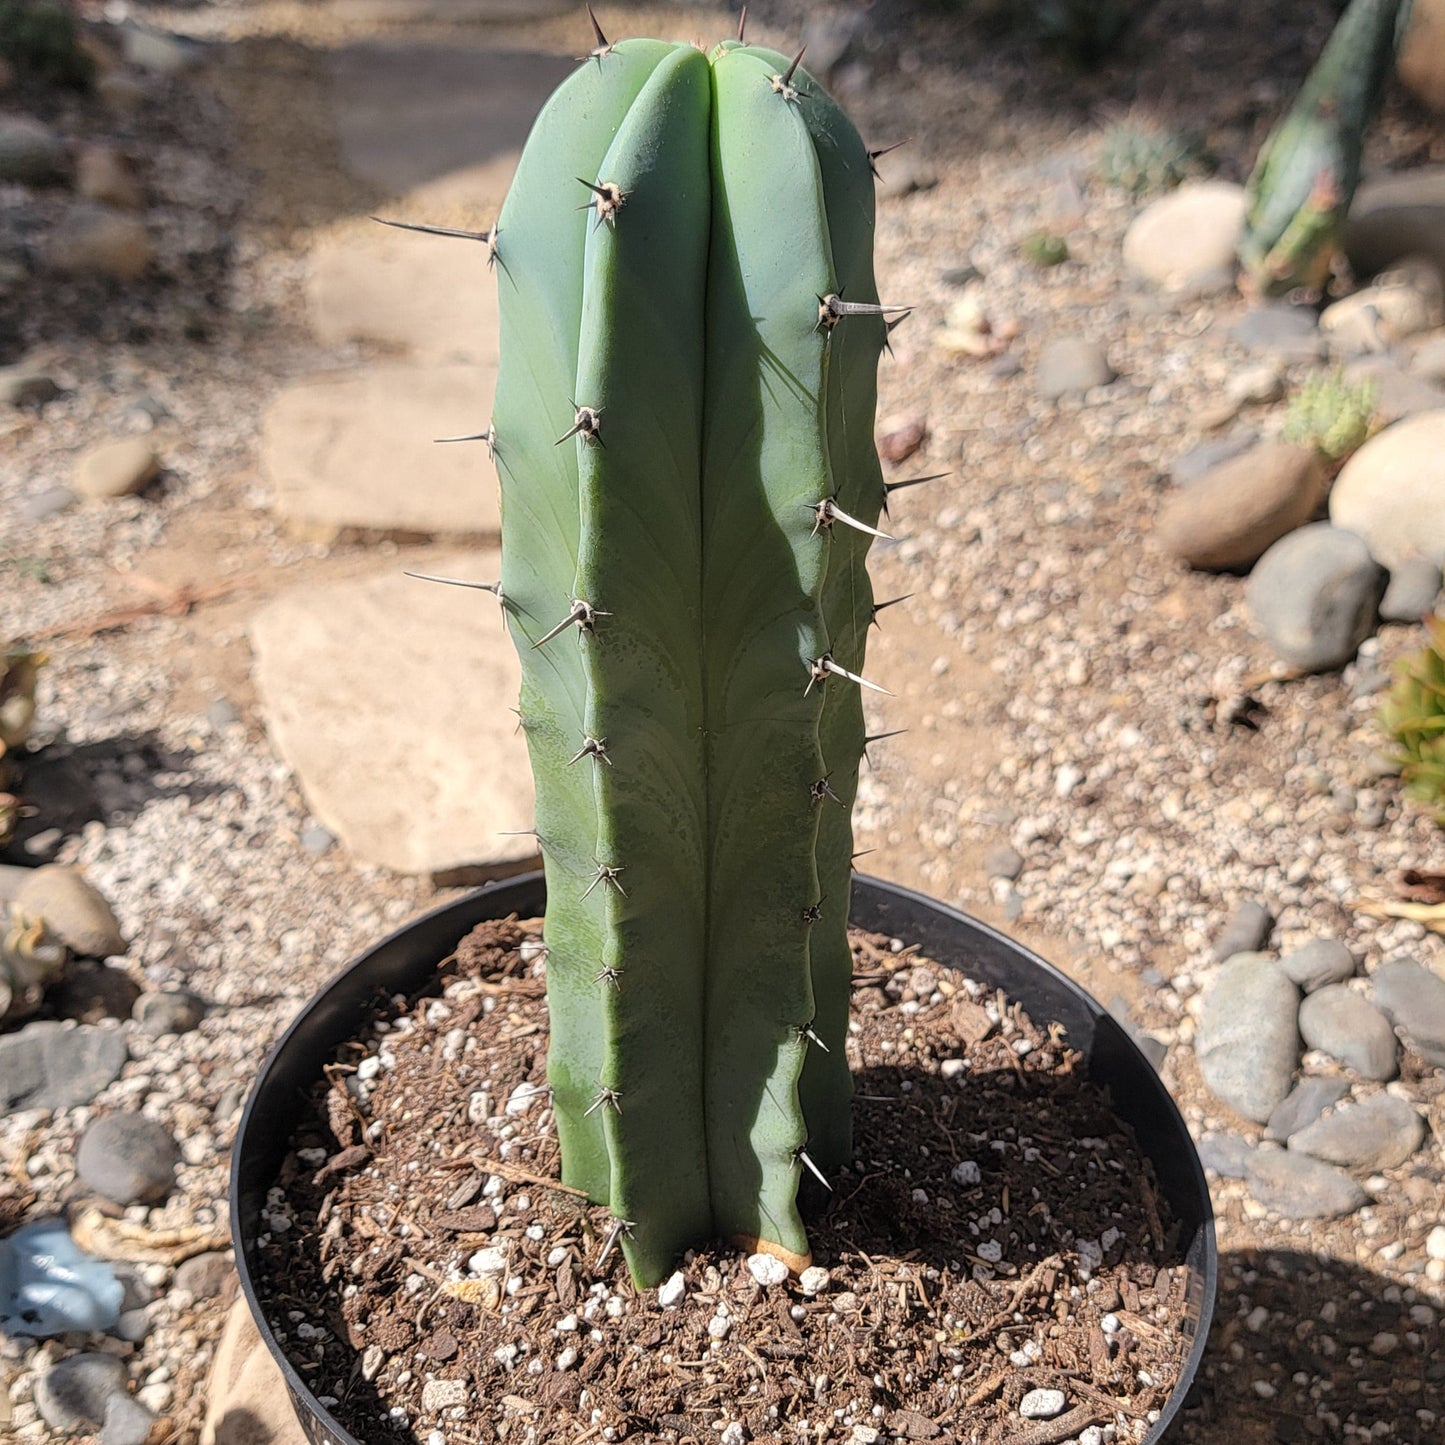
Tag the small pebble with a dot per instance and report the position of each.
(734, 1434)
(767, 1269)
(813, 1280)
(1042, 1404)
(671, 1291)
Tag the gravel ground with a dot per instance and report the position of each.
(1067, 689)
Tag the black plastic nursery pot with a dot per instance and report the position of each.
(407, 962)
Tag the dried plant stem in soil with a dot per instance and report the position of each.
(998, 1233)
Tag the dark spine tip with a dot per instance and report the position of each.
(742, 25)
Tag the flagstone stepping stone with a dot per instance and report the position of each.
(358, 450)
(407, 113)
(471, 11)
(431, 295)
(391, 698)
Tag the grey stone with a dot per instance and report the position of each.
(30, 153)
(1318, 962)
(356, 450)
(1227, 1155)
(49, 503)
(158, 52)
(1004, 862)
(1188, 237)
(1396, 216)
(1413, 999)
(349, 740)
(317, 840)
(127, 1422)
(1348, 1027)
(1290, 333)
(22, 385)
(48, 1066)
(1070, 364)
(73, 1396)
(132, 1326)
(1231, 516)
(1300, 1187)
(221, 714)
(1306, 1102)
(1315, 596)
(1398, 393)
(1390, 491)
(128, 1158)
(1247, 928)
(1380, 1133)
(1247, 1041)
(1199, 461)
(171, 1011)
(1413, 591)
(117, 468)
(73, 910)
(204, 1276)
(1007, 366)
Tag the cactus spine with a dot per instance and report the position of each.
(684, 435)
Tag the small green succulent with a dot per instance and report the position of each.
(1142, 159)
(1332, 414)
(1044, 249)
(1413, 714)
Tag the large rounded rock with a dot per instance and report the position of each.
(1413, 999)
(1401, 303)
(1248, 1040)
(73, 1395)
(1399, 215)
(1381, 1133)
(1187, 238)
(127, 1158)
(1348, 1027)
(1421, 65)
(29, 151)
(1299, 1187)
(73, 910)
(1319, 962)
(116, 468)
(1315, 596)
(1233, 514)
(1392, 492)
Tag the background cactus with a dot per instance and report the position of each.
(1305, 178)
(1141, 157)
(683, 430)
(1413, 715)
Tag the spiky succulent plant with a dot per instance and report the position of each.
(1332, 414)
(683, 430)
(1413, 715)
(1141, 158)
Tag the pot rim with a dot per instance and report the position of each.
(1203, 1254)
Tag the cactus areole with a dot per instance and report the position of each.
(683, 430)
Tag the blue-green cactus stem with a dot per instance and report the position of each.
(541, 240)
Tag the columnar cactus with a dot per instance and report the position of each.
(683, 429)
(1305, 177)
